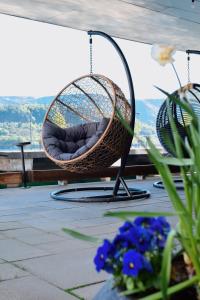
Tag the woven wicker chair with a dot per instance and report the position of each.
(88, 99)
(91, 137)
(181, 119)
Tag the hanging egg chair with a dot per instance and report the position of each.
(81, 132)
(181, 119)
(180, 116)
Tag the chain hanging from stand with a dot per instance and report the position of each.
(91, 56)
(188, 67)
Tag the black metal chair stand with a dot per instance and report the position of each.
(24, 177)
(178, 183)
(122, 195)
(117, 193)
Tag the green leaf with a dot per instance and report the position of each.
(167, 178)
(128, 293)
(81, 236)
(124, 123)
(176, 161)
(166, 263)
(130, 284)
(176, 288)
(198, 223)
(126, 214)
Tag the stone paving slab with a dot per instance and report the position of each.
(9, 271)
(59, 205)
(46, 224)
(10, 225)
(66, 246)
(77, 213)
(101, 229)
(25, 210)
(32, 236)
(31, 288)
(14, 217)
(65, 270)
(2, 236)
(56, 225)
(13, 250)
(88, 292)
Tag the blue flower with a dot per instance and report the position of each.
(103, 252)
(144, 221)
(121, 241)
(147, 265)
(140, 238)
(134, 262)
(161, 225)
(160, 229)
(165, 225)
(125, 227)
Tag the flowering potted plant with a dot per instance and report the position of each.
(147, 258)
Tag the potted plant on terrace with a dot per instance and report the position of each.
(147, 258)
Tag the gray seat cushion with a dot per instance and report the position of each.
(69, 143)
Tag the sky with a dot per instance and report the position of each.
(38, 59)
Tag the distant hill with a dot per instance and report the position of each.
(12, 108)
(21, 118)
(17, 100)
(146, 109)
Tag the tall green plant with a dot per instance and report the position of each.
(188, 211)
(187, 157)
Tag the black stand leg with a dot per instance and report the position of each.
(24, 178)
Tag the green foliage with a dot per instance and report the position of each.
(19, 123)
(188, 212)
(174, 289)
(166, 263)
(81, 236)
(126, 215)
(189, 224)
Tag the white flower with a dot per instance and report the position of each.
(163, 54)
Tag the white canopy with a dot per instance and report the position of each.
(150, 21)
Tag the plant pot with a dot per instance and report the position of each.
(107, 292)
(178, 274)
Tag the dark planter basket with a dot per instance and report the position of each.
(107, 292)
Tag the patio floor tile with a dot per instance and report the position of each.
(33, 245)
(65, 270)
(31, 288)
(13, 250)
(32, 236)
(9, 271)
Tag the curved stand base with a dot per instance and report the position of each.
(178, 183)
(122, 195)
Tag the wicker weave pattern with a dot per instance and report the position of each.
(89, 99)
(180, 117)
